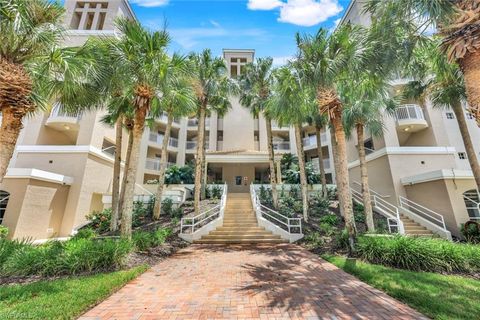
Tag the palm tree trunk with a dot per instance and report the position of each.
(163, 166)
(323, 178)
(303, 174)
(116, 174)
(467, 141)
(204, 168)
(271, 161)
(9, 132)
(138, 127)
(367, 202)
(121, 198)
(333, 142)
(199, 159)
(470, 66)
(343, 189)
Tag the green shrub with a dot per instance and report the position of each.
(341, 239)
(295, 192)
(471, 231)
(265, 196)
(314, 239)
(177, 213)
(328, 229)
(74, 256)
(216, 192)
(331, 219)
(144, 240)
(3, 232)
(319, 205)
(419, 254)
(87, 233)
(167, 206)
(100, 220)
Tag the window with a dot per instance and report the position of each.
(233, 71)
(369, 147)
(256, 135)
(220, 135)
(238, 180)
(462, 155)
(472, 200)
(4, 196)
(469, 116)
(450, 115)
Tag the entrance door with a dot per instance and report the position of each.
(238, 177)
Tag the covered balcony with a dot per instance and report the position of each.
(410, 118)
(311, 141)
(154, 164)
(164, 119)
(158, 140)
(61, 120)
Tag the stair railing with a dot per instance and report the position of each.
(422, 211)
(275, 221)
(191, 225)
(388, 210)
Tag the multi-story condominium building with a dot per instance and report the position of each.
(63, 164)
(420, 162)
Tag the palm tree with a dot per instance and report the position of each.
(292, 101)
(319, 122)
(255, 86)
(325, 62)
(142, 55)
(212, 87)
(177, 101)
(443, 83)
(458, 23)
(33, 69)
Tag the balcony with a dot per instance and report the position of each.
(410, 118)
(158, 139)
(311, 141)
(276, 126)
(281, 146)
(154, 164)
(164, 119)
(193, 123)
(61, 120)
(316, 165)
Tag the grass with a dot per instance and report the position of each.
(435, 295)
(63, 298)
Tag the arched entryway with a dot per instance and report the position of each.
(472, 202)
(4, 196)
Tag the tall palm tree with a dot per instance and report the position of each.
(177, 101)
(441, 81)
(255, 86)
(33, 69)
(291, 102)
(319, 122)
(325, 61)
(212, 88)
(141, 54)
(458, 23)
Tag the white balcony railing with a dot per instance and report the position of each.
(282, 145)
(275, 125)
(409, 112)
(311, 141)
(158, 138)
(59, 112)
(194, 122)
(154, 164)
(316, 165)
(164, 118)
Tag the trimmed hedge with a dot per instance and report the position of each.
(420, 254)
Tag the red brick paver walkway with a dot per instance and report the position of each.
(267, 282)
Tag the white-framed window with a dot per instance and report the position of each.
(462, 155)
(450, 115)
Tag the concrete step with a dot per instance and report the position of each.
(417, 232)
(239, 237)
(240, 229)
(239, 233)
(240, 241)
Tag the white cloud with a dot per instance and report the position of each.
(281, 61)
(150, 3)
(190, 37)
(264, 4)
(215, 23)
(300, 12)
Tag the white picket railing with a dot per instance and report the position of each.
(158, 138)
(191, 226)
(286, 227)
(58, 111)
(422, 211)
(388, 210)
(311, 141)
(409, 112)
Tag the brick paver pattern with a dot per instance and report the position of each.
(248, 282)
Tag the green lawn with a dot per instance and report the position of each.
(435, 295)
(61, 299)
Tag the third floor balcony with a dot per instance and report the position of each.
(62, 120)
(311, 141)
(410, 118)
(158, 139)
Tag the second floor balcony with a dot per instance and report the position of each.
(316, 164)
(281, 145)
(155, 163)
(62, 120)
(410, 118)
(192, 123)
(311, 141)
(158, 139)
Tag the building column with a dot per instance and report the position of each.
(83, 19)
(96, 16)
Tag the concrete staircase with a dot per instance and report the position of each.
(239, 225)
(413, 228)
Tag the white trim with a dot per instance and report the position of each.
(75, 32)
(94, 151)
(31, 173)
(443, 174)
(222, 158)
(404, 151)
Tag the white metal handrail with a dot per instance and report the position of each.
(385, 208)
(289, 224)
(283, 145)
(311, 141)
(58, 111)
(158, 138)
(422, 211)
(193, 224)
(409, 112)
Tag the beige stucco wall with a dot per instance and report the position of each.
(231, 170)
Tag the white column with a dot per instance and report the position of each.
(83, 19)
(96, 16)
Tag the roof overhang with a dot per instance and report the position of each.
(31, 173)
(444, 174)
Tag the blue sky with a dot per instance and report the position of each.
(268, 26)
